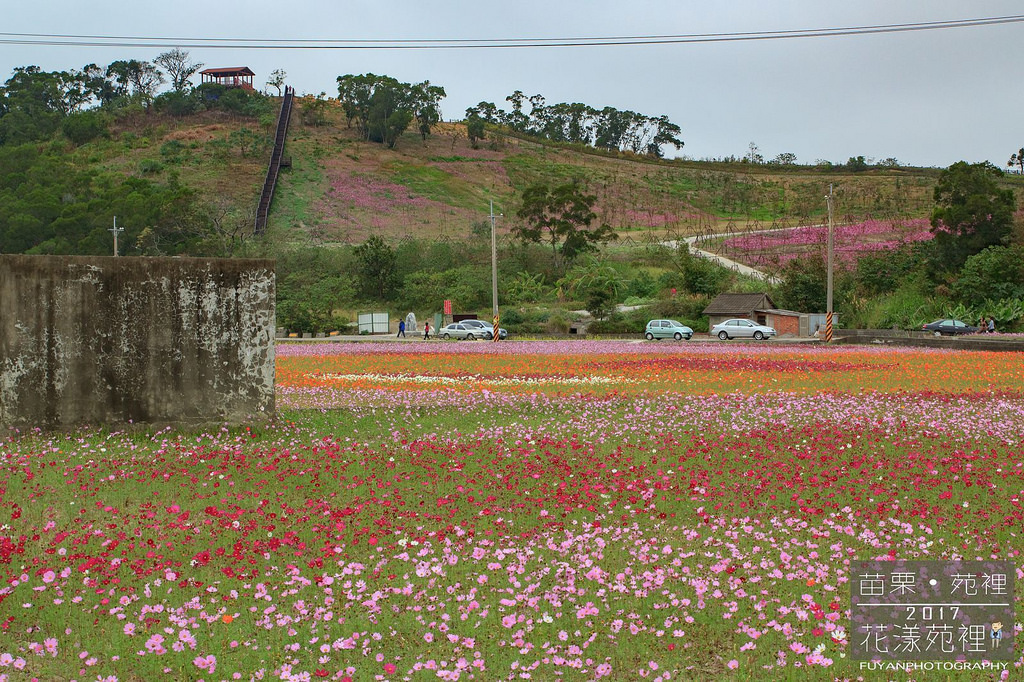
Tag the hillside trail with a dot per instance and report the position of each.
(722, 260)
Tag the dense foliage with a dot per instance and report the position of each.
(971, 213)
(560, 215)
(606, 128)
(382, 108)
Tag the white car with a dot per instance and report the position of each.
(741, 329)
(457, 330)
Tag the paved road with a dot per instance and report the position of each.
(726, 262)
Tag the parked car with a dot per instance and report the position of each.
(667, 329)
(487, 326)
(742, 329)
(457, 330)
(949, 328)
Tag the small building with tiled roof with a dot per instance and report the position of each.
(229, 76)
(727, 306)
(761, 309)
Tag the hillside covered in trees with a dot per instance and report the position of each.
(182, 169)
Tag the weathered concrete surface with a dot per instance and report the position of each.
(104, 340)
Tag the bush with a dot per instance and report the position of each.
(685, 307)
(150, 166)
(995, 273)
(173, 151)
(879, 274)
(557, 323)
(671, 280)
(234, 100)
(467, 287)
(618, 324)
(210, 92)
(906, 308)
(642, 285)
(83, 126)
(599, 302)
(178, 103)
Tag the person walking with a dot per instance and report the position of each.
(991, 325)
(426, 331)
(401, 330)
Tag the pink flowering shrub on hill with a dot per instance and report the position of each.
(850, 241)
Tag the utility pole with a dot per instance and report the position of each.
(115, 229)
(828, 287)
(494, 271)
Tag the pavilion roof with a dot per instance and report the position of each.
(229, 71)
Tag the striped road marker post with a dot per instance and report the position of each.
(828, 327)
(496, 330)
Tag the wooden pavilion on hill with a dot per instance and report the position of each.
(229, 77)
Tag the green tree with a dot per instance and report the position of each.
(34, 102)
(83, 126)
(804, 286)
(311, 284)
(390, 116)
(134, 79)
(971, 213)
(591, 274)
(700, 275)
(474, 128)
(313, 111)
(1017, 159)
(247, 141)
(376, 266)
(599, 302)
(994, 274)
(857, 164)
(276, 80)
(382, 108)
(753, 154)
(425, 100)
(561, 216)
(516, 119)
(179, 67)
(886, 272)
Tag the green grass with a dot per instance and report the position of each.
(438, 185)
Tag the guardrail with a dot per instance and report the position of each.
(267, 195)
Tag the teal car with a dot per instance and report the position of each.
(667, 329)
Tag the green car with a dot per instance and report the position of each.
(667, 329)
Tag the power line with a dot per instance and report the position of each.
(56, 39)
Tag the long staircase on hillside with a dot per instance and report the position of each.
(275, 161)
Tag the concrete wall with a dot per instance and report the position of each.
(104, 340)
(899, 337)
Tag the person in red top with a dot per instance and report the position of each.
(426, 331)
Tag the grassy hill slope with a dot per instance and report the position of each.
(343, 189)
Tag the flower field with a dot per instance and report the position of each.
(851, 241)
(525, 510)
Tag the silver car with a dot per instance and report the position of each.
(486, 329)
(740, 328)
(457, 330)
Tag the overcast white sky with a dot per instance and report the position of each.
(927, 98)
